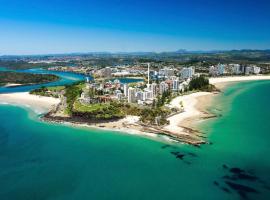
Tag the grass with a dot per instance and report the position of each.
(91, 107)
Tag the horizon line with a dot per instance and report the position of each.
(135, 52)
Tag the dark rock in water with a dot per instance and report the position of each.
(175, 153)
(242, 194)
(242, 190)
(247, 177)
(216, 183)
(180, 156)
(266, 187)
(251, 171)
(211, 143)
(262, 182)
(225, 166)
(236, 170)
(225, 189)
(233, 178)
(165, 146)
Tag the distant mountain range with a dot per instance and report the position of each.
(142, 53)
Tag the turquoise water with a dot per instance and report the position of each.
(65, 79)
(45, 161)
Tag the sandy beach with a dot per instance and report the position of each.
(13, 85)
(196, 104)
(221, 82)
(37, 103)
(182, 125)
(190, 103)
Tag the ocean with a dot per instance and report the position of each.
(44, 161)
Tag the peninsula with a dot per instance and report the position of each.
(12, 79)
(169, 106)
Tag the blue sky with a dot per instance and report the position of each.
(64, 26)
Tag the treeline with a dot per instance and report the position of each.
(25, 78)
(21, 65)
(72, 92)
(98, 111)
(201, 83)
(48, 91)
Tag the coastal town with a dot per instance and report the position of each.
(151, 82)
(134, 100)
(141, 99)
(156, 98)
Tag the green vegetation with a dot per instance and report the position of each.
(48, 91)
(20, 65)
(155, 115)
(103, 111)
(201, 83)
(25, 78)
(72, 92)
(166, 97)
(25, 65)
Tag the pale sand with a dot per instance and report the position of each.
(195, 104)
(12, 85)
(238, 78)
(37, 103)
(126, 125)
(194, 108)
(221, 82)
(190, 102)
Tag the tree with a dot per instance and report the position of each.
(199, 83)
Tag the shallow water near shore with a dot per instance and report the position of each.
(50, 161)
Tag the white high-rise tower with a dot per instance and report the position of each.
(148, 73)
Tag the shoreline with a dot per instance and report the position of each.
(221, 82)
(12, 85)
(182, 128)
(39, 104)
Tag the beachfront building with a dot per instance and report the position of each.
(125, 88)
(139, 95)
(236, 68)
(147, 95)
(248, 70)
(175, 86)
(153, 89)
(221, 69)
(217, 70)
(187, 72)
(131, 95)
(255, 69)
(213, 71)
(163, 86)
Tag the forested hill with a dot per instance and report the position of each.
(25, 78)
